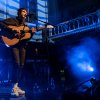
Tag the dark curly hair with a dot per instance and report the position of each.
(20, 10)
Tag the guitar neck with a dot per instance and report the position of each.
(25, 31)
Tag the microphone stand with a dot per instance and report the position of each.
(45, 32)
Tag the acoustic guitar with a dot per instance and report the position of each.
(12, 37)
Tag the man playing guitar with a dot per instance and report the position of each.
(15, 34)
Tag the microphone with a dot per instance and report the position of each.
(30, 15)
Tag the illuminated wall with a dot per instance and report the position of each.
(42, 11)
(8, 8)
(2, 9)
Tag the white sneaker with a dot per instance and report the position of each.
(14, 90)
(17, 91)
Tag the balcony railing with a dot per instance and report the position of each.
(77, 25)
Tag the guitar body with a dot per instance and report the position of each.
(12, 38)
(10, 42)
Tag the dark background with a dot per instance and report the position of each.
(63, 10)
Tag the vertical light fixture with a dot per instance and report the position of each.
(42, 11)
